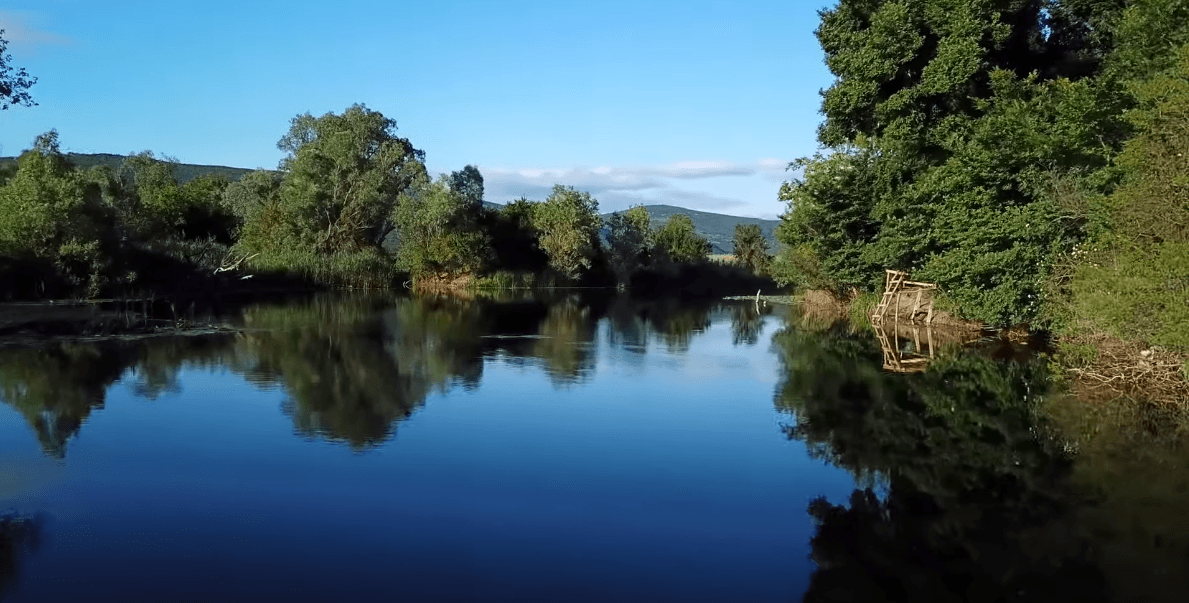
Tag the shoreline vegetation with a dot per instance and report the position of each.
(350, 206)
(1027, 158)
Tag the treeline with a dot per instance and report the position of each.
(1027, 155)
(351, 205)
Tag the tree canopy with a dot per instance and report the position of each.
(677, 241)
(568, 224)
(949, 126)
(14, 82)
(630, 241)
(440, 231)
(343, 174)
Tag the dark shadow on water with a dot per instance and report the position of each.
(20, 535)
(967, 496)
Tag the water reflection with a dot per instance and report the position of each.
(55, 389)
(974, 499)
(353, 367)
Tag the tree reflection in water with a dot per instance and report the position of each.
(56, 388)
(977, 499)
(352, 367)
(747, 320)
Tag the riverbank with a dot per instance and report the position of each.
(1094, 367)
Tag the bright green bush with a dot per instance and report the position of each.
(49, 211)
(567, 224)
(1133, 281)
(677, 242)
(440, 231)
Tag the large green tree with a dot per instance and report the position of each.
(630, 241)
(14, 82)
(751, 248)
(567, 225)
(342, 176)
(958, 118)
(50, 211)
(440, 231)
(678, 242)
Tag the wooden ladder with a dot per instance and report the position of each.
(892, 283)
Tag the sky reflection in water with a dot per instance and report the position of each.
(427, 449)
(577, 449)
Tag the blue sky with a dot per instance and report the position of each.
(697, 104)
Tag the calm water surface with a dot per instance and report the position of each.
(575, 449)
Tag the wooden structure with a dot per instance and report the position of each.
(899, 360)
(896, 283)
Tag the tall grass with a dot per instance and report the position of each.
(509, 279)
(365, 269)
(860, 309)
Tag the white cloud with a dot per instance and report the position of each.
(690, 184)
(18, 31)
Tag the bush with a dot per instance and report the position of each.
(440, 232)
(49, 211)
(677, 242)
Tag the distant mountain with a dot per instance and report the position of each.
(184, 172)
(719, 229)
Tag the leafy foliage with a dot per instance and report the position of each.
(678, 242)
(468, 183)
(751, 248)
(1133, 280)
(567, 225)
(439, 230)
(343, 174)
(14, 83)
(630, 242)
(948, 124)
(50, 211)
(153, 204)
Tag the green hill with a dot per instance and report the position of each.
(184, 172)
(719, 229)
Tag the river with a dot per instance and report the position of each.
(573, 447)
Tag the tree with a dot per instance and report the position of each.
(514, 242)
(567, 225)
(678, 242)
(948, 124)
(751, 248)
(154, 206)
(49, 211)
(439, 231)
(253, 193)
(630, 241)
(14, 83)
(343, 174)
(468, 182)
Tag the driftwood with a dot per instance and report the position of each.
(229, 263)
